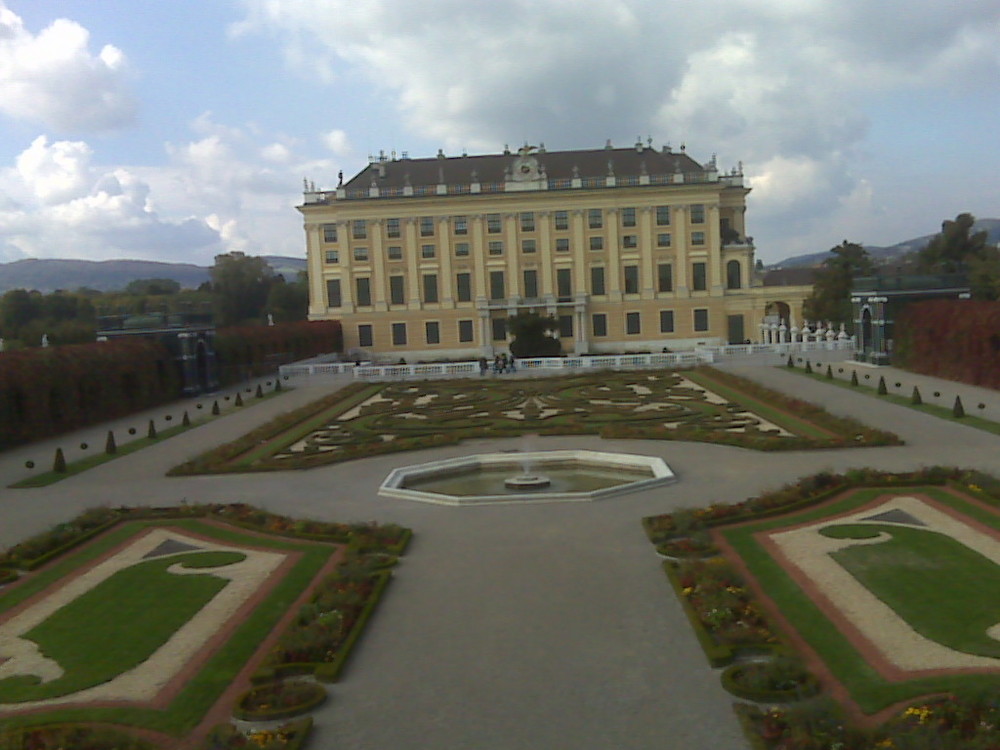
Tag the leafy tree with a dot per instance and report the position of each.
(953, 249)
(240, 286)
(984, 274)
(18, 307)
(831, 296)
(530, 340)
(157, 287)
(288, 301)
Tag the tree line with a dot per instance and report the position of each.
(956, 249)
(243, 290)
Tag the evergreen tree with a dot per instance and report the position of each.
(59, 462)
(831, 296)
(110, 447)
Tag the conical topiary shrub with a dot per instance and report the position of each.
(239, 399)
(277, 384)
(791, 362)
(260, 392)
(110, 447)
(186, 420)
(215, 408)
(882, 390)
(151, 431)
(59, 462)
(809, 367)
(829, 372)
(854, 377)
(915, 397)
(958, 410)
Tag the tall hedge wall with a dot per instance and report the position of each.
(953, 339)
(245, 352)
(48, 391)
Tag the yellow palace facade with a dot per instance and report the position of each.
(629, 249)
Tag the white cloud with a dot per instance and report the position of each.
(338, 142)
(57, 172)
(780, 85)
(52, 78)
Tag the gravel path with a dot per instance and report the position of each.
(539, 626)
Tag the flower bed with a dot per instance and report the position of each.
(290, 736)
(279, 700)
(71, 737)
(778, 680)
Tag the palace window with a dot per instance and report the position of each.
(733, 275)
(332, 256)
(496, 247)
(562, 245)
(596, 243)
(365, 337)
(329, 233)
(630, 241)
(399, 334)
(359, 229)
(392, 228)
(333, 298)
(397, 290)
(527, 221)
(493, 223)
(701, 319)
(562, 220)
(461, 249)
(698, 213)
(663, 216)
(461, 225)
(632, 324)
(663, 239)
(428, 251)
(697, 238)
(361, 254)
(664, 277)
(527, 246)
(395, 252)
(564, 283)
(597, 280)
(363, 291)
(463, 287)
(595, 218)
(430, 287)
(499, 326)
(432, 332)
(530, 283)
(426, 226)
(698, 279)
(497, 287)
(566, 326)
(666, 321)
(599, 323)
(628, 217)
(631, 279)
(465, 330)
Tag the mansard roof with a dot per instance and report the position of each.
(555, 165)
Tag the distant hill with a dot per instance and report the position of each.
(892, 253)
(49, 274)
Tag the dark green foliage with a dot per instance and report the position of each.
(215, 408)
(957, 410)
(530, 331)
(252, 351)
(59, 462)
(809, 368)
(260, 392)
(110, 447)
(791, 362)
(186, 420)
(239, 400)
(882, 390)
(151, 430)
(854, 377)
(829, 372)
(831, 297)
(915, 396)
(954, 247)
(277, 384)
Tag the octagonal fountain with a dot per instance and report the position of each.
(532, 477)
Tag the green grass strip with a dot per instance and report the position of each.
(149, 606)
(205, 688)
(941, 412)
(782, 418)
(78, 467)
(867, 687)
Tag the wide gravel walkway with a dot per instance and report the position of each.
(536, 626)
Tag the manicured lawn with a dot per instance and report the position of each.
(118, 624)
(870, 691)
(205, 687)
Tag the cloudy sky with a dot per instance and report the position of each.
(178, 130)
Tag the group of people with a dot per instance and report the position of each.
(501, 363)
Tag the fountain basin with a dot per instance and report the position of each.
(572, 476)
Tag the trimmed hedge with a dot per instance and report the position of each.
(48, 391)
(953, 339)
(249, 351)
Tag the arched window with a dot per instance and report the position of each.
(733, 274)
